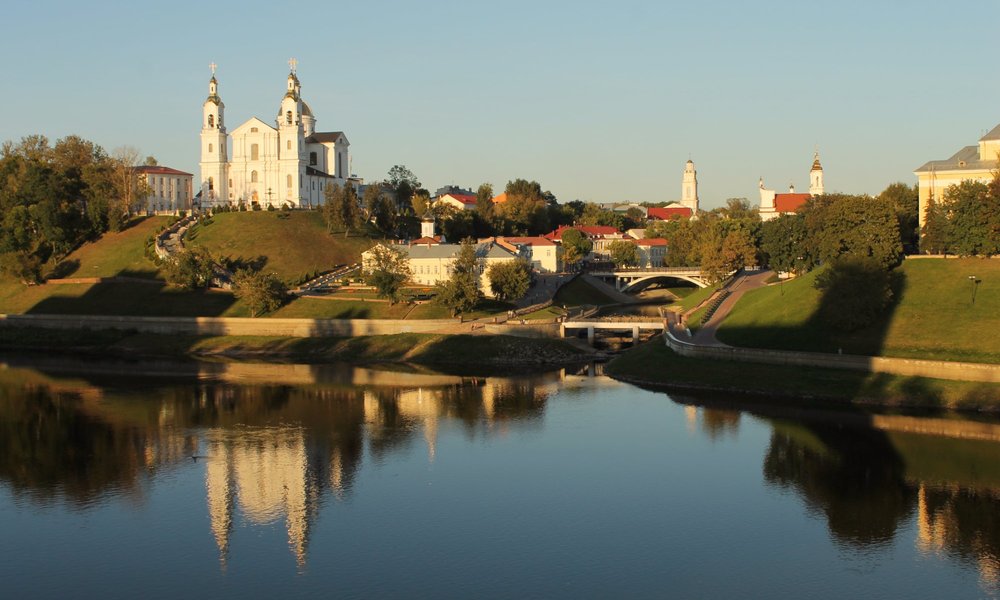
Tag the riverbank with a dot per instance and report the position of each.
(420, 348)
(655, 365)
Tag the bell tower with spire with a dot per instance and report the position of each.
(291, 140)
(816, 176)
(213, 147)
(689, 188)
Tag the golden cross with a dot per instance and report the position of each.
(293, 63)
(212, 66)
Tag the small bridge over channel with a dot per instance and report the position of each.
(630, 279)
(634, 327)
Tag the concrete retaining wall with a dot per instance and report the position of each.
(230, 325)
(936, 369)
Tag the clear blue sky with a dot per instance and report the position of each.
(601, 101)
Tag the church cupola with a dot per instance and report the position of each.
(213, 109)
(816, 176)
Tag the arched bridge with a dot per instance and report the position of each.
(627, 279)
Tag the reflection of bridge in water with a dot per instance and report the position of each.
(630, 279)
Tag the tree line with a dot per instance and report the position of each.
(55, 197)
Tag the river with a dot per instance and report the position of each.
(159, 480)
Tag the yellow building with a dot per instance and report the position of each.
(975, 163)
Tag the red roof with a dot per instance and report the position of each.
(500, 198)
(530, 241)
(463, 198)
(667, 213)
(652, 242)
(158, 170)
(591, 231)
(789, 203)
(430, 241)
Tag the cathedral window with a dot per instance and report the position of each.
(288, 181)
(288, 145)
(312, 159)
(210, 148)
(230, 183)
(211, 120)
(253, 176)
(253, 130)
(254, 152)
(211, 184)
(288, 117)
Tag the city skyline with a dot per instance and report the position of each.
(597, 105)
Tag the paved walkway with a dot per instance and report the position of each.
(705, 336)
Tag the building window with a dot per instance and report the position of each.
(211, 184)
(288, 181)
(211, 120)
(253, 176)
(230, 183)
(288, 145)
(340, 164)
(288, 117)
(253, 130)
(312, 159)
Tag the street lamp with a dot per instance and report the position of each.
(975, 284)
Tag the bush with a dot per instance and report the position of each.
(262, 292)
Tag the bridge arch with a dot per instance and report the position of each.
(631, 285)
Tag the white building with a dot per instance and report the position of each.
(287, 163)
(169, 189)
(431, 263)
(773, 204)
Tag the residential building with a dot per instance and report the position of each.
(169, 189)
(975, 163)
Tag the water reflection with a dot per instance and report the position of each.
(276, 452)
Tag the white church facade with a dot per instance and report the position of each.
(287, 163)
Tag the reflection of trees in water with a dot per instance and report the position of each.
(52, 445)
(718, 423)
(854, 478)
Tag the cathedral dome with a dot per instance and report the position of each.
(306, 111)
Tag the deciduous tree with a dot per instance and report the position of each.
(623, 253)
(262, 292)
(509, 280)
(460, 292)
(387, 271)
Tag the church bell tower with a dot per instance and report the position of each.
(214, 189)
(291, 141)
(689, 188)
(816, 177)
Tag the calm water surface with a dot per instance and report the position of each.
(158, 480)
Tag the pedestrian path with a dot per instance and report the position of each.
(705, 336)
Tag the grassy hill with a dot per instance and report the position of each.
(295, 245)
(933, 316)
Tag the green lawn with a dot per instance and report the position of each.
(121, 253)
(578, 292)
(933, 316)
(294, 245)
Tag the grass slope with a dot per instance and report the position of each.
(294, 245)
(578, 292)
(933, 316)
(654, 363)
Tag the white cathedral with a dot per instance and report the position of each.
(287, 163)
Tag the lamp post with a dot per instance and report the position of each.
(975, 283)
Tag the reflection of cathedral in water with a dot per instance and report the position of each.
(282, 462)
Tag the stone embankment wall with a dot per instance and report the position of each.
(230, 325)
(872, 364)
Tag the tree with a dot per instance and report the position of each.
(461, 293)
(934, 235)
(387, 271)
(189, 269)
(623, 253)
(844, 225)
(128, 189)
(526, 209)
(783, 243)
(484, 202)
(738, 209)
(509, 280)
(262, 292)
(380, 208)
(22, 265)
(973, 219)
(738, 250)
(905, 202)
(421, 202)
(151, 161)
(403, 184)
(855, 289)
(576, 246)
(341, 208)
